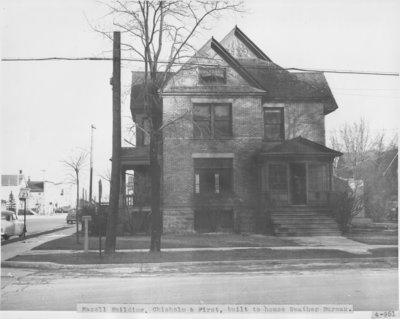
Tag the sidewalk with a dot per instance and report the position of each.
(24, 246)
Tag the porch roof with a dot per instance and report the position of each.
(134, 156)
(301, 147)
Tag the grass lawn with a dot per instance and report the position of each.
(382, 237)
(172, 241)
(193, 256)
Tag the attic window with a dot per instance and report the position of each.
(212, 75)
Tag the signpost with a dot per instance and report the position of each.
(23, 195)
(86, 220)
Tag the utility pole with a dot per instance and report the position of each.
(91, 163)
(77, 206)
(112, 220)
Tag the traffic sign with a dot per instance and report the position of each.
(24, 193)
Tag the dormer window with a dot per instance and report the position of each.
(211, 75)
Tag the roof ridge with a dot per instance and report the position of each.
(221, 51)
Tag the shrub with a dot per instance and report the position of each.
(344, 208)
(99, 218)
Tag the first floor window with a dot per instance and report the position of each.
(277, 176)
(318, 175)
(213, 176)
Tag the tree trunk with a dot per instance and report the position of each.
(155, 174)
(112, 220)
(155, 170)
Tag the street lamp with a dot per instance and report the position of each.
(91, 164)
(23, 195)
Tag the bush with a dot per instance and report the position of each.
(343, 208)
(135, 222)
(99, 218)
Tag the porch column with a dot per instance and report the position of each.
(330, 177)
(122, 191)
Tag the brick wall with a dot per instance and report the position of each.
(179, 147)
(304, 119)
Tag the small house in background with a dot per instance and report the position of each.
(37, 196)
(248, 152)
(12, 184)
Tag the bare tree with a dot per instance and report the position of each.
(76, 163)
(365, 160)
(357, 142)
(156, 30)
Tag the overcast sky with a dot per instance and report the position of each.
(47, 107)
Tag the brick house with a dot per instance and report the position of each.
(248, 153)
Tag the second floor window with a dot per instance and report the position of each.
(212, 120)
(274, 129)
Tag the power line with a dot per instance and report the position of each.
(365, 89)
(258, 66)
(369, 95)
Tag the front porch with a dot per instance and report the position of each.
(296, 186)
(135, 190)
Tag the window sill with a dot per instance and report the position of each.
(212, 138)
(269, 140)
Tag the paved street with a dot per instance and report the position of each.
(35, 224)
(62, 290)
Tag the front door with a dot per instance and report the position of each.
(298, 187)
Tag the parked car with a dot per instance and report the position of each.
(28, 212)
(11, 225)
(71, 217)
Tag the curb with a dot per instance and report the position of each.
(236, 266)
(14, 240)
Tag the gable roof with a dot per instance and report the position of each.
(300, 146)
(286, 85)
(35, 186)
(137, 88)
(264, 74)
(251, 45)
(223, 53)
(259, 71)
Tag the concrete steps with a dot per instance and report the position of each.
(304, 221)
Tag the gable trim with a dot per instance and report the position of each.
(232, 62)
(251, 45)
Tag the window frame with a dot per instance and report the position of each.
(212, 121)
(281, 124)
(202, 71)
(318, 177)
(215, 169)
(283, 180)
